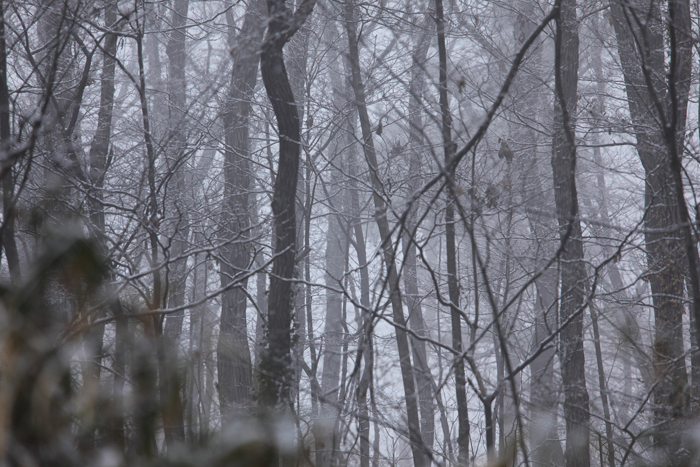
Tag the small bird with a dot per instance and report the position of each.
(505, 152)
(379, 130)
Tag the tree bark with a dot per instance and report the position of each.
(170, 378)
(97, 161)
(233, 352)
(424, 377)
(7, 236)
(573, 272)
(277, 360)
(380, 216)
(326, 434)
(451, 250)
(658, 110)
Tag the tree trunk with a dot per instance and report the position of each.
(233, 352)
(277, 360)
(325, 427)
(146, 417)
(7, 236)
(366, 345)
(573, 272)
(297, 57)
(424, 377)
(170, 383)
(451, 251)
(658, 112)
(98, 157)
(537, 191)
(596, 60)
(380, 216)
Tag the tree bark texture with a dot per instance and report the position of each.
(658, 109)
(573, 271)
(277, 359)
(233, 351)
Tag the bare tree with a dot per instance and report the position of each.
(276, 361)
(573, 272)
(233, 352)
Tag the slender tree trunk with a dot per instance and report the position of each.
(170, 376)
(7, 236)
(169, 408)
(98, 157)
(451, 251)
(424, 377)
(573, 272)
(325, 432)
(602, 383)
(417, 447)
(297, 57)
(118, 432)
(333, 339)
(537, 191)
(261, 299)
(366, 345)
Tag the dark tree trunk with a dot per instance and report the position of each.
(451, 251)
(573, 272)
(117, 430)
(7, 236)
(658, 111)
(233, 352)
(277, 360)
(380, 216)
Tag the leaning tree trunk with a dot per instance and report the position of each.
(233, 352)
(276, 364)
(451, 251)
(389, 256)
(573, 271)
